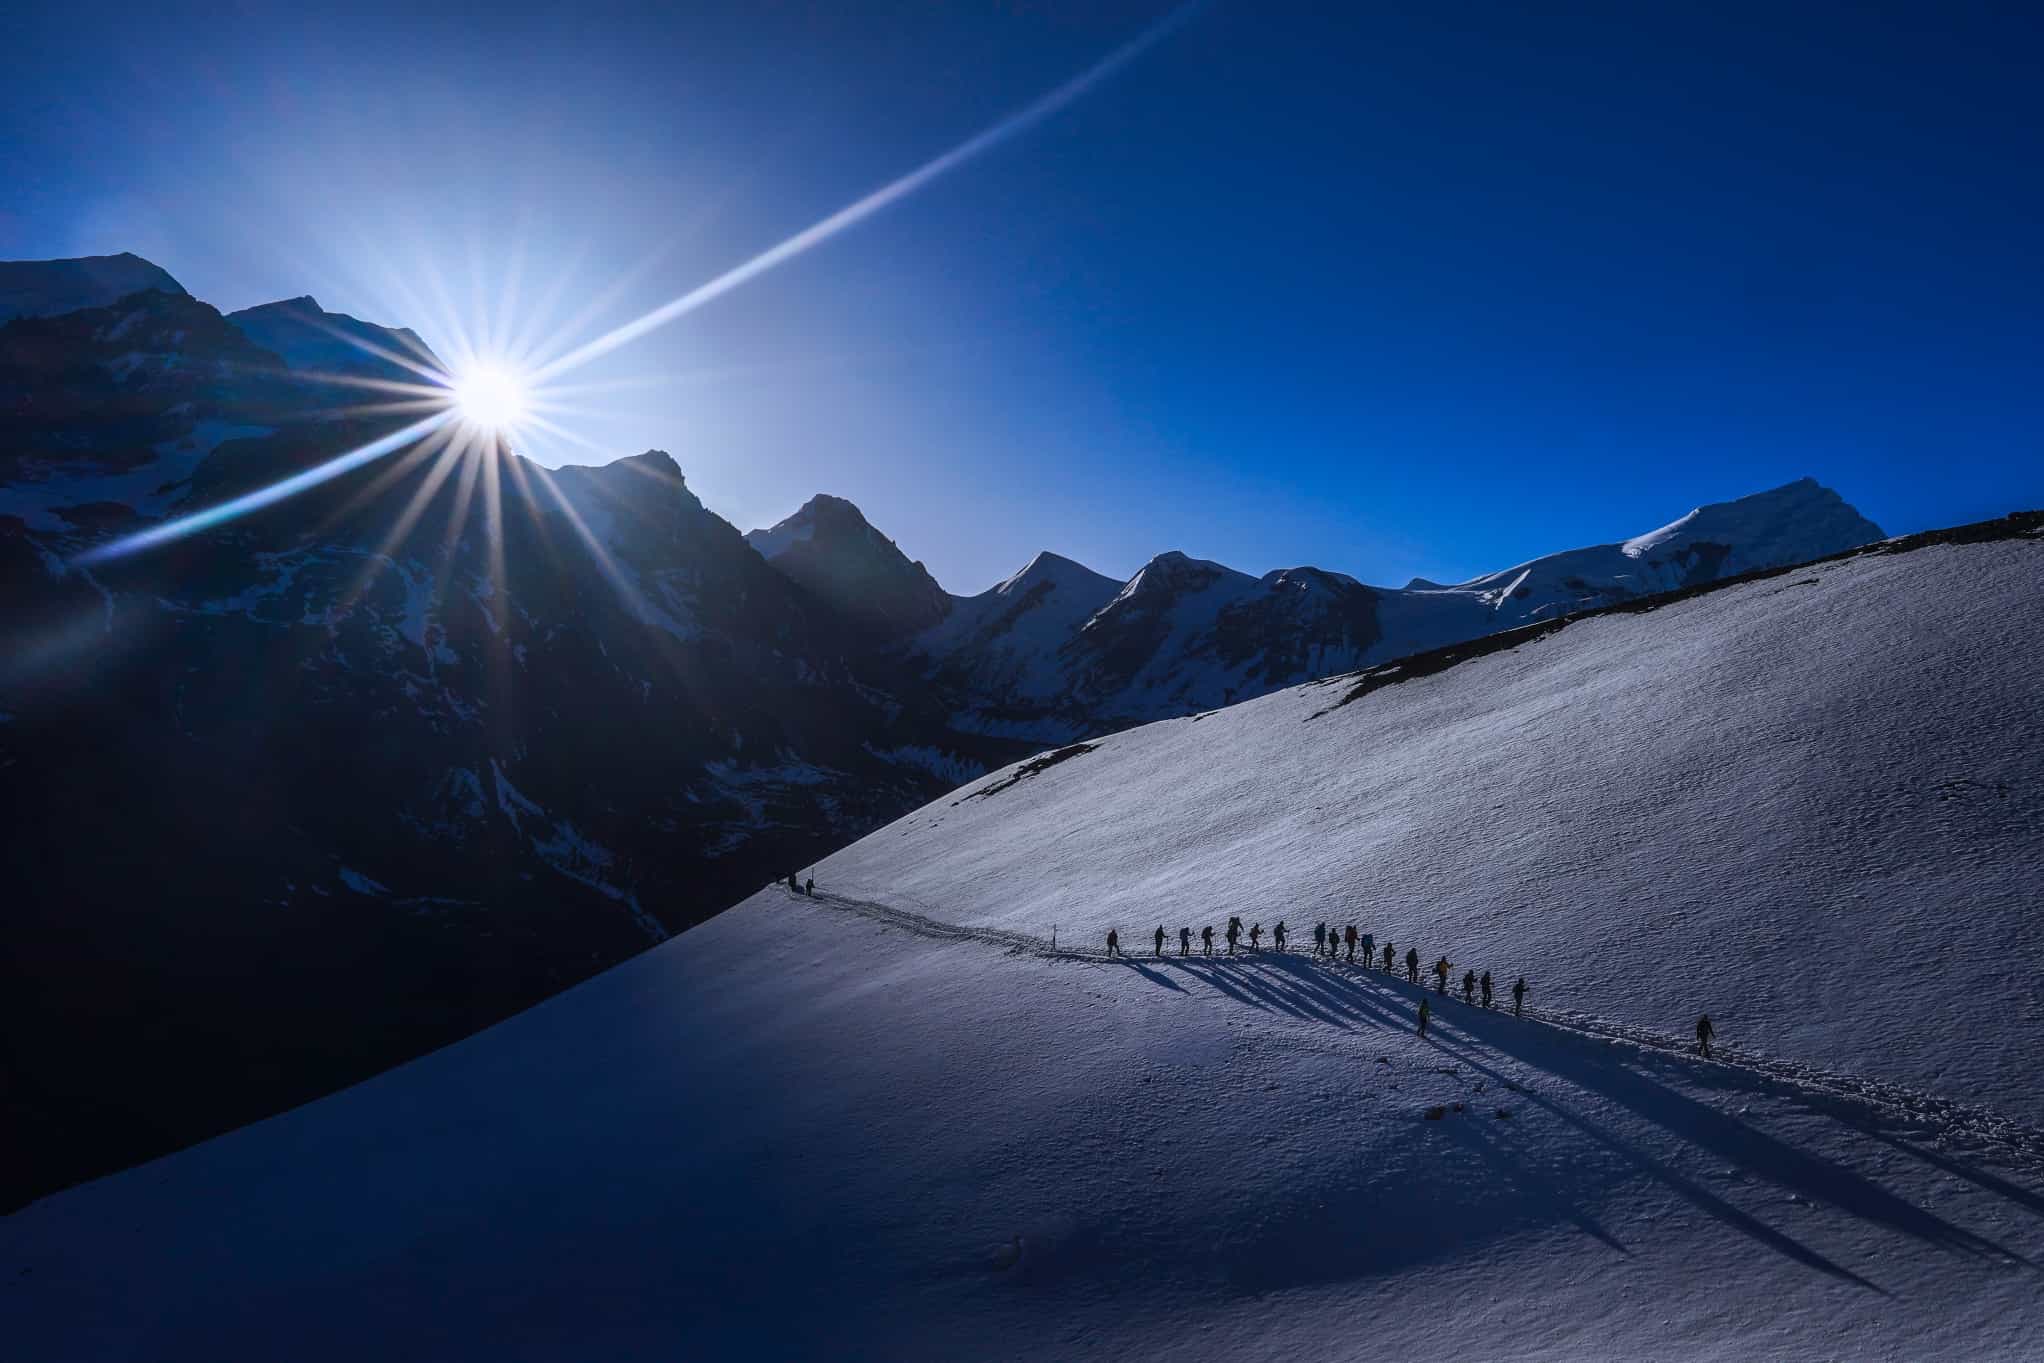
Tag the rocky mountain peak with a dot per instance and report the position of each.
(48, 288)
(830, 548)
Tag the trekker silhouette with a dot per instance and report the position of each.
(1369, 949)
(1424, 1013)
(1388, 957)
(1441, 969)
(1486, 989)
(1319, 938)
(1113, 943)
(1412, 964)
(1277, 934)
(1255, 936)
(1234, 931)
(791, 883)
(1469, 987)
(1350, 938)
(1704, 1032)
(1160, 939)
(1185, 941)
(1206, 937)
(809, 887)
(1519, 998)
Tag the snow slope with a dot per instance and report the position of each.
(893, 1122)
(1808, 804)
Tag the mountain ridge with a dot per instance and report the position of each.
(1184, 634)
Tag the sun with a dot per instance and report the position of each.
(490, 399)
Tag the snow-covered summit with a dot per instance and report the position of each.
(1802, 518)
(1056, 571)
(49, 288)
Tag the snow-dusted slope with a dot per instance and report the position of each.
(893, 1122)
(312, 340)
(45, 288)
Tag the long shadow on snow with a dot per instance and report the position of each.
(1296, 985)
(1285, 983)
(1631, 1083)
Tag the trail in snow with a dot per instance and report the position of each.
(1883, 1108)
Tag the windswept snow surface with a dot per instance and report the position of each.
(892, 1122)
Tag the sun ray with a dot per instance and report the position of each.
(265, 496)
(360, 409)
(556, 429)
(421, 500)
(369, 347)
(634, 601)
(858, 211)
(530, 503)
(374, 385)
(397, 469)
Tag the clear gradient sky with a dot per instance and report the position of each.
(1424, 289)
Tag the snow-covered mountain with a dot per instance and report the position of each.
(895, 1121)
(45, 288)
(1058, 652)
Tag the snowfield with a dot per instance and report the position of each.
(893, 1121)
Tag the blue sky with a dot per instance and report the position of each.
(1394, 291)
